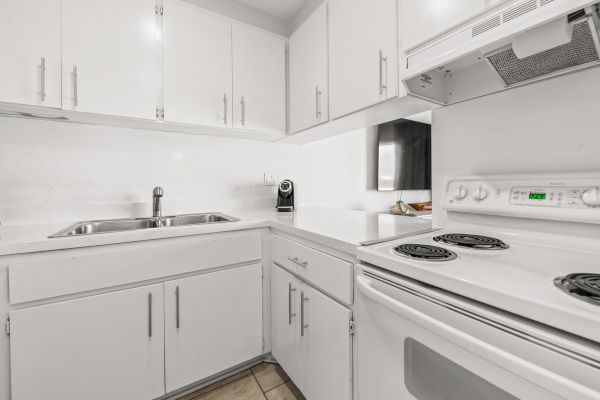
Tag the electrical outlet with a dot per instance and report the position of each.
(269, 179)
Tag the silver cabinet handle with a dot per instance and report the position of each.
(243, 104)
(302, 325)
(150, 315)
(297, 261)
(225, 108)
(290, 314)
(75, 95)
(177, 307)
(318, 94)
(43, 79)
(382, 60)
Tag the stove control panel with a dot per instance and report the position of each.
(572, 197)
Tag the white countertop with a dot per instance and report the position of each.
(344, 230)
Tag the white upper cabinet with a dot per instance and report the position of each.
(309, 92)
(30, 42)
(197, 66)
(109, 346)
(424, 19)
(111, 57)
(363, 50)
(212, 322)
(259, 80)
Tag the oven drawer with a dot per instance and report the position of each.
(327, 272)
(426, 345)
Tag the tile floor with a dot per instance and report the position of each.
(265, 381)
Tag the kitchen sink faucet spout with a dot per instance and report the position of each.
(157, 194)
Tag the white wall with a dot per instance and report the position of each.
(550, 126)
(339, 172)
(56, 171)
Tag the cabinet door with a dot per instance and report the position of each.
(111, 57)
(327, 347)
(309, 103)
(197, 66)
(109, 346)
(30, 42)
(285, 325)
(424, 19)
(259, 80)
(363, 54)
(212, 322)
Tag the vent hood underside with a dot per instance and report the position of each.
(558, 47)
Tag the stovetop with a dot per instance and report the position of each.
(525, 273)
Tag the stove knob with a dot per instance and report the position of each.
(479, 194)
(591, 197)
(460, 193)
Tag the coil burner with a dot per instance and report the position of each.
(585, 287)
(472, 241)
(424, 252)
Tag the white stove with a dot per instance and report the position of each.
(519, 253)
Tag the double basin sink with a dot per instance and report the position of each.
(120, 225)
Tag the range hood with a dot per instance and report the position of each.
(522, 43)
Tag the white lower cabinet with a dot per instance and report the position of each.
(109, 346)
(327, 345)
(311, 338)
(212, 322)
(285, 340)
(138, 344)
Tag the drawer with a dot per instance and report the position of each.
(331, 274)
(80, 270)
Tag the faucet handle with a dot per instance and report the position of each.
(157, 192)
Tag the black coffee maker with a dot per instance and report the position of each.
(285, 196)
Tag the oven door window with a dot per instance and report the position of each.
(430, 376)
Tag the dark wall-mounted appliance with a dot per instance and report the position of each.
(404, 156)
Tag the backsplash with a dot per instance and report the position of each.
(55, 171)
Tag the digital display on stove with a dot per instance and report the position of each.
(537, 196)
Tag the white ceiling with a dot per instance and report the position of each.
(283, 9)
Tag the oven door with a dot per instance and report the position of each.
(416, 342)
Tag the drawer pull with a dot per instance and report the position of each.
(297, 261)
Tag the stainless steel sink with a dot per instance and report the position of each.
(120, 225)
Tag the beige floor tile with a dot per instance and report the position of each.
(269, 375)
(287, 391)
(245, 388)
(216, 385)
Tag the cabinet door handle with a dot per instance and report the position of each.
(318, 94)
(290, 314)
(225, 108)
(297, 261)
(75, 94)
(150, 315)
(177, 307)
(243, 104)
(302, 325)
(382, 60)
(43, 79)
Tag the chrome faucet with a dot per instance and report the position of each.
(157, 193)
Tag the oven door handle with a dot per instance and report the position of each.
(533, 373)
